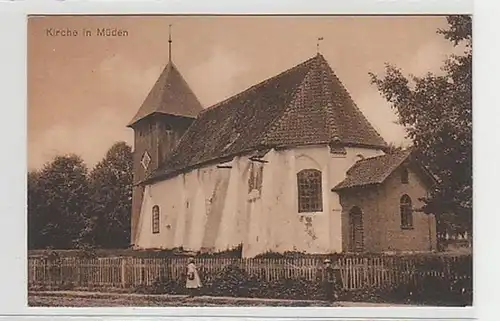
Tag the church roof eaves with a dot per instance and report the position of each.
(165, 174)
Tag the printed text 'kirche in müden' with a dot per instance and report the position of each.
(99, 32)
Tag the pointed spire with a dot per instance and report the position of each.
(169, 43)
(170, 95)
(317, 44)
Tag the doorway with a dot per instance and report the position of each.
(356, 239)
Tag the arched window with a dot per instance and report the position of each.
(309, 191)
(156, 219)
(406, 212)
(404, 175)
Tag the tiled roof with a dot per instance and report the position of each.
(306, 104)
(170, 95)
(321, 112)
(373, 170)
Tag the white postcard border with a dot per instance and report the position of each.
(13, 197)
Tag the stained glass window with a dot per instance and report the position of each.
(309, 191)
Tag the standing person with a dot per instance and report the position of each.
(339, 285)
(330, 282)
(193, 282)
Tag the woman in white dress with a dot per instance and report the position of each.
(193, 282)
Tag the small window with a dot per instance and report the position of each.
(156, 219)
(168, 130)
(169, 134)
(404, 175)
(145, 160)
(255, 177)
(309, 191)
(406, 212)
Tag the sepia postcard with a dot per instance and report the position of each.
(249, 161)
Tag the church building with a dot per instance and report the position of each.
(289, 164)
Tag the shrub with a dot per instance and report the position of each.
(230, 281)
(293, 289)
(235, 252)
(233, 281)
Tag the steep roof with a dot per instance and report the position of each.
(170, 95)
(306, 104)
(373, 170)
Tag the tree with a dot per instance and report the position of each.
(436, 111)
(57, 197)
(35, 200)
(108, 220)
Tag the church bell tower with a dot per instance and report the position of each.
(166, 113)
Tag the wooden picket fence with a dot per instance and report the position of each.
(126, 272)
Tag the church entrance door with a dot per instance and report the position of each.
(356, 240)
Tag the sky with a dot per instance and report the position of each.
(83, 90)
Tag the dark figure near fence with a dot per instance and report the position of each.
(331, 280)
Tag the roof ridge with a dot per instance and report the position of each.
(370, 158)
(277, 121)
(356, 108)
(396, 165)
(329, 105)
(364, 160)
(258, 85)
(385, 155)
(174, 67)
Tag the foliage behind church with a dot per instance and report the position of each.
(72, 207)
(436, 110)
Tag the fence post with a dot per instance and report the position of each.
(124, 270)
(49, 270)
(366, 269)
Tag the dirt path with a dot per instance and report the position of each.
(98, 299)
